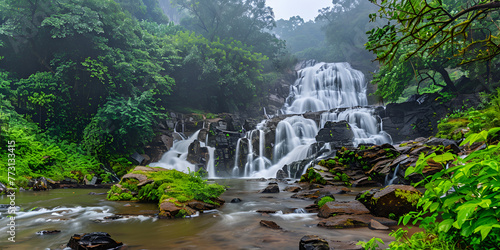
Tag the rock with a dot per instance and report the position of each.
(3, 188)
(339, 134)
(137, 157)
(272, 188)
(334, 208)
(39, 184)
(313, 208)
(365, 182)
(393, 199)
(268, 211)
(293, 189)
(236, 200)
(139, 177)
(313, 242)
(375, 225)
(281, 175)
(269, 224)
(93, 193)
(44, 232)
(345, 245)
(201, 206)
(94, 241)
(353, 220)
(169, 210)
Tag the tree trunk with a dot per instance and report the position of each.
(450, 86)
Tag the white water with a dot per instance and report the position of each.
(211, 162)
(394, 177)
(364, 124)
(326, 86)
(176, 157)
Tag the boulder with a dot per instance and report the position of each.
(236, 200)
(353, 220)
(201, 206)
(45, 232)
(293, 189)
(269, 224)
(94, 241)
(313, 242)
(170, 210)
(393, 199)
(281, 175)
(271, 188)
(339, 134)
(334, 208)
(375, 225)
(39, 184)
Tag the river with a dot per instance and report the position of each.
(233, 226)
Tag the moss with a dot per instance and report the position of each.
(324, 200)
(411, 197)
(167, 184)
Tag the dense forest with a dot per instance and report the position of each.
(84, 83)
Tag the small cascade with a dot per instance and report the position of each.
(176, 157)
(326, 86)
(291, 133)
(211, 162)
(236, 169)
(366, 127)
(300, 211)
(393, 178)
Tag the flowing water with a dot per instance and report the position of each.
(233, 226)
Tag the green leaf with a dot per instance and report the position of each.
(444, 226)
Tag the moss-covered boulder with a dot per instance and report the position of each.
(391, 201)
(177, 194)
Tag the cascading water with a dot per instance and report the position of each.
(366, 127)
(326, 86)
(176, 157)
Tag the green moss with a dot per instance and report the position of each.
(411, 197)
(168, 184)
(324, 200)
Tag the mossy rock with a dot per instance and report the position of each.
(393, 200)
(164, 186)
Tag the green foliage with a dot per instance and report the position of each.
(41, 155)
(419, 240)
(324, 200)
(121, 124)
(469, 210)
(372, 244)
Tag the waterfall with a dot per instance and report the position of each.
(366, 127)
(211, 162)
(236, 169)
(176, 157)
(326, 86)
(394, 177)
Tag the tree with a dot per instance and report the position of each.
(245, 21)
(467, 28)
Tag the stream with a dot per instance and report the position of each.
(233, 226)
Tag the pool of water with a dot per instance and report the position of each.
(233, 226)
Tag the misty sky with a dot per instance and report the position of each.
(307, 9)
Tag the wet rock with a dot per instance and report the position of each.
(269, 224)
(393, 199)
(365, 182)
(313, 242)
(293, 189)
(353, 220)
(94, 241)
(113, 217)
(281, 175)
(272, 188)
(170, 210)
(45, 232)
(313, 208)
(201, 206)
(375, 225)
(266, 211)
(93, 193)
(236, 200)
(39, 184)
(334, 208)
(338, 133)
